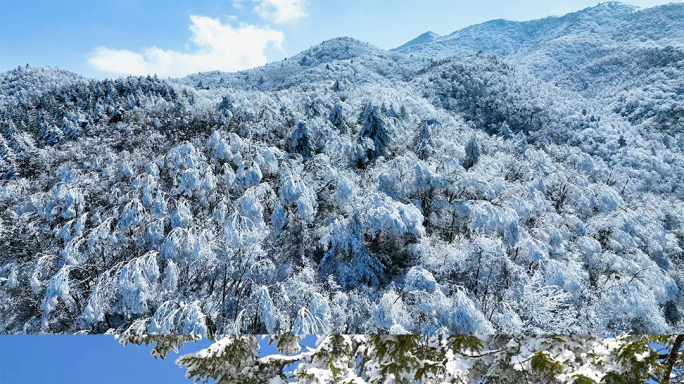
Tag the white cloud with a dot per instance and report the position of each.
(118, 61)
(281, 11)
(219, 47)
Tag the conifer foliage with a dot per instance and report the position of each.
(377, 129)
(470, 196)
(500, 359)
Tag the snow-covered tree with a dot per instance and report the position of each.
(472, 152)
(425, 144)
(580, 359)
(569, 223)
(301, 141)
(376, 128)
(337, 119)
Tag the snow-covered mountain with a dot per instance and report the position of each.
(630, 60)
(424, 38)
(556, 45)
(352, 189)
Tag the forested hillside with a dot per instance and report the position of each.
(348, 189)
(628, 59)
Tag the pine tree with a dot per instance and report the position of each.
(621, 141)
(51, 135)
(118, 114)
(521, 143)
(392, 112)
(225, 104)
(19, 140)
(403, 113)
(337, 119)
(70, 130)
(505, 131)
(497, 359)
(473, 153)
(543, 142)
(376, 128)
(6, 152)
(7, 161)
(348, 257)
(425, 144)
(301, 141)
(312, 109)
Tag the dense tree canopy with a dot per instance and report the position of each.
(366, 191)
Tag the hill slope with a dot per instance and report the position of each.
(613, 52)
(347, 189)
(424, 38)
(545, 45)
(24, 82)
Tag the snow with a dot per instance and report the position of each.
(534, 187)
(424, 38)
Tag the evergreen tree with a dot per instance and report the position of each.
(473, 153)
(7, 161)
(505, 131)
(496, 359)
(543, 142)
(376, 128)
(70, 130)
(403, 113)
(521, 143)
(621, 141)
(301, 141)
(225, 104)
(312, 109)
(425, 144)
(348, 257)
(392, 112)
(337, 119)
(51, 135)
(118, 114)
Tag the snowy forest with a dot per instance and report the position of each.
(511, 178)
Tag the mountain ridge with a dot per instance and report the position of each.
(506, 38)
(421, 39)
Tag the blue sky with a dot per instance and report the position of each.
(107, 38)
(93, 359)
(88, 359)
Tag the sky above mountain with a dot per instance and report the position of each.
(175, 38)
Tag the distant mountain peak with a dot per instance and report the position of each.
(613, 7)
(545, 44)
(426, 37)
